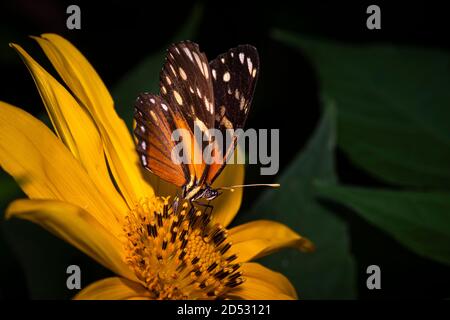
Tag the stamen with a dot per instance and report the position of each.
(179, 255)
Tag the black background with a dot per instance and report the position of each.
(116, 35)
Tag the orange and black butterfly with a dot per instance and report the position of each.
(193, 91)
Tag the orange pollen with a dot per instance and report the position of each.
(180, 255)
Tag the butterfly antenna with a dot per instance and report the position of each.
(231, 188)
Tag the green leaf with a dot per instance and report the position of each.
(145, 76)
(418, 220)
(394, 106)
(329, 272)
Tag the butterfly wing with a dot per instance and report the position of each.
(186, 84)
(192, 92)
(155, 122)
(185, 81)
(234, 75)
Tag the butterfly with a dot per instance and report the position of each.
(194, 92)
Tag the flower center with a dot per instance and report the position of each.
(180, 255)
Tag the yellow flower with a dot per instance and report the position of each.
(85, 185)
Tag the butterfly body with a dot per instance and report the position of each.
(194, 94)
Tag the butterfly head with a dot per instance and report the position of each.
(210, 194)
(206, 193)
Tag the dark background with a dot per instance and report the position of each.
(116, 35)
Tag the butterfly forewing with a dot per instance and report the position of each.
(185, 82)
(234, 75)
(234, 78)
(155, 122)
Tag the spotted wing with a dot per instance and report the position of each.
(155, 122)
(185, 82)
(234, 76)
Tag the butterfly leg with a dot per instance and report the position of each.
(177, 198)
(208, 208)
(176, 202)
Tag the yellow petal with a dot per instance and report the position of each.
(76, 129)
(252, 270)
(77, 227)
(262, 283)
(113, 289)
(256, 239)
(228, 203)
(44, 168)
(86, 85)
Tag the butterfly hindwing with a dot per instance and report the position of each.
(155, 123)
(234, 75)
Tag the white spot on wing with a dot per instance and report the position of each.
(226, 76)
(250, 65)
(213, 71)
(199, 62)
(188, 53)
(199, 93)
(143, 145)
(164, 107)
(206, 103)
(144, 160)
(254, 73)
(205, 69)
(177, 97)
(142, 129)
(241, 57)
(182, 73)
(153, 116)
(173, 70)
